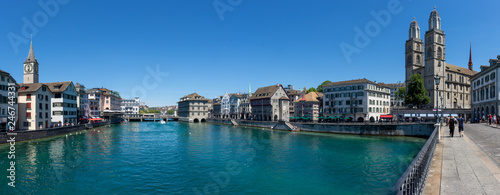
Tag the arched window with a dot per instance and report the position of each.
(439, 39)
(440, 53)
(418, 47)
(418, 59)
(429, 52)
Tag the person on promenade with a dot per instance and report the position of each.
(489, 119)
(461, 126)
(451, 124)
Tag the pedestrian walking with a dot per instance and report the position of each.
(451, 124)
(489, 119)
(461, 126)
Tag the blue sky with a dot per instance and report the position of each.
(111, 44)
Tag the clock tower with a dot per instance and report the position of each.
(30, 67)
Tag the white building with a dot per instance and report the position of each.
(82, 100)
(6, 82)
(234, 106)
(34, 106)
(485, 88)
(358, 100)
(225, 106)
(64, 104)
(94, 97)
(131, 107)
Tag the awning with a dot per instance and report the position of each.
(385, 116)
(407, 115)
(454, 115)
(95, 119)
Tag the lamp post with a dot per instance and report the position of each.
(437, 79)
(397, 98)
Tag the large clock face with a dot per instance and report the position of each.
(28, 68)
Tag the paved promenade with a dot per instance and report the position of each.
(470, 163)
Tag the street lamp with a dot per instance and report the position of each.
(437, 79)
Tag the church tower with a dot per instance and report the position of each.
(435, 57)
(414, 52)
(30, 67)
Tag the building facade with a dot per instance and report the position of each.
(225, 105)
(34, 106)
(245, 106)
(82, 101)
(359, 100)
(7, 84)
(308, 107)
(64, 103)
(485, 88)
(130, 108)
(193, 108)
(394, 87)
(270, 103)
(94, 97)
(429, 60)
(234, 106)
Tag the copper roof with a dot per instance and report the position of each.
(349, 82)
(58, 87)
(458, 69)
(31, 55)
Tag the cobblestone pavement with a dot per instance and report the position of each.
(465, 168)
(487, 138)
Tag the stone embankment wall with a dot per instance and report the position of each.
(402, 129)
(24, 135)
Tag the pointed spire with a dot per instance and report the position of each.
(31, 55)
(470, 56)
(249, 88)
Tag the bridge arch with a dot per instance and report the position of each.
(196, 120)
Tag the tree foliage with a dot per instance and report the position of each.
(401, 95)
(417, 95)
(312, 89)
(320, 87)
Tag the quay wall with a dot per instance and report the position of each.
(401, 129)
(24, 135)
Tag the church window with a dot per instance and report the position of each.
(408, 60)
(439, 39)
(429, 52)
(418, 59)
(418, 47)
(440, 53)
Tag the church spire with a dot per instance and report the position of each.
(470, 56)
(31, 55)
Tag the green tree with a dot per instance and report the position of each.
(312, 89)
(170, 111)
(417, 95)
(320, 87)
(401, 95)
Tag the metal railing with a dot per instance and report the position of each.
(413, 179)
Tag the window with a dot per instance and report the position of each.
(28, 114)
(40, 115)
(40, 105)
(28, 105)
(28, 97)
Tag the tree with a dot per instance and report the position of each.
(312, 89)
(417, 95)
(320, 87)
(170, 111)
(400, 95)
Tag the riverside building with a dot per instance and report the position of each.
(5, 80)
(485, 88)
(358, 100)
(193, 108)
(270, 103)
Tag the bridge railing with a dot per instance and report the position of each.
(413, 179)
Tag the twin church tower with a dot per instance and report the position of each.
(30, 68)
(429, 59)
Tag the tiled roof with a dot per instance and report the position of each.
(30, 87)
(58, 87)
(265, 92)
(310, 97)
(7, 74)
(458, 69)
(193, 97)
(349, 82)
